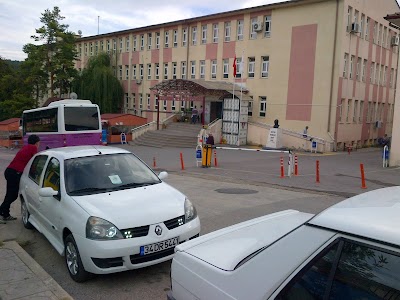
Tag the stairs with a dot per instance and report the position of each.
(176, 135)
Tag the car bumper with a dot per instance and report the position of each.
(104, 257)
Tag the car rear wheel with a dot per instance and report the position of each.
(25, 215)
(74, 262)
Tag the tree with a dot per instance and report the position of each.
(53, 61)
(98, 83)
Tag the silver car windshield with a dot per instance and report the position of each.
(104, 173)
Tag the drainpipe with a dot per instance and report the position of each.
(332, 73)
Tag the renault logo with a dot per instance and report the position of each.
(158, 230)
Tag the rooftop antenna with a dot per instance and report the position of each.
(98, 25)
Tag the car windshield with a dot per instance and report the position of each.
(105, 173)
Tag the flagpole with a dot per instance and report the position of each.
(233, 99)
(241, 94)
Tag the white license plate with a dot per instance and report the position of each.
(160, 246)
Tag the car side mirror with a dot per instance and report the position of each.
(48, 192)
(163, 175)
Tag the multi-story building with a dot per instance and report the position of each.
(330, 65)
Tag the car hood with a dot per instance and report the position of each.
(135, 207)
(227, 247)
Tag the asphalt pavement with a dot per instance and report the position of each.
(236, 172)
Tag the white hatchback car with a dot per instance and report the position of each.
(349, 251)
(104, 209)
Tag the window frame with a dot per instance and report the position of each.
(38, 179)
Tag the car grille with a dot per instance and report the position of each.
(135, 232)
(105, 263)
(176, 222)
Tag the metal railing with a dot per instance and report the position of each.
(138, 131)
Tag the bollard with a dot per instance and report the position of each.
(317, 172)
(182, 164)
(282, 169)
(363, 186)
(215, 158)
(154, 162)
(296, 170)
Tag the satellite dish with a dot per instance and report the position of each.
(73, 95)
(80, 32)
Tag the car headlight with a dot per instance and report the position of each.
(99, 229)
(190, 211)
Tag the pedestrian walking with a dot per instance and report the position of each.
(13, 175)
(194, 115)
(305, 132)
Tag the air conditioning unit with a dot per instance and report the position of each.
(355, 28)
(395, 40)
(258, 26)
(138, 81)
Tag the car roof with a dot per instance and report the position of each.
(228, 247)
(83, 151)
(374, 215)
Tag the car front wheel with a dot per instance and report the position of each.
(25, 215)
(74, 262)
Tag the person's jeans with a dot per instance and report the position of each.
(13, 177)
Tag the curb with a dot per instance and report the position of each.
(42, 285)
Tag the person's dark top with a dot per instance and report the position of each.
(210, 140)
(22, 158)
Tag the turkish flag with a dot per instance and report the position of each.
(234, 67)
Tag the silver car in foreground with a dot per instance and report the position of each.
(349, 251)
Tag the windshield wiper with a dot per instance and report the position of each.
(136, 184)
(89, 189)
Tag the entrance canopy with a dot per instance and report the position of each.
(182, 88)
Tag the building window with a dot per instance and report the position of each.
(157, 40)
(215, 33)
(91, 48)
(157, 71)
(355, 109)
(194, 36)
(214, 69)
(363, 70)
(142, 42)
(166, 39)
(376, 75)
(263, 106)
(193, 69)
(379, 34)
(134, 43)
(369, 112)
(351, 67)
(121, 45)
(134, 72)
(251, 67)
(149, 41)
(361, 111)
(165, 105)
(126, 72)
(120, 72)
(341, 110)
(348, 110)
(148, 71)
(127, 48)
(191, 104)
(375, 33)
(358, 68)
(140, 102)
(134, 102)
(239, 67)
(102, 45)
(166, 71)
(384, 75)
(108, 45)
(349, 13)
(184, 37)
(267, 26)
(204, 34)
(227, 31)
(362, 26)
(346, 57)
(371, 73)
(174, 70)
(384, 37)
(156, 102)
(183, 69)
(126, 101)
(367, 30)
(96, 48)
(240, 30)
(175, 38)
(391, 77)
(250, 109)
(141, 71)
(173, 105)
(226, 68)
(253, 33)
(148, 101)
(264, 66)
(202, 69)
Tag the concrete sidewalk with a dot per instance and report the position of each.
(22, 278)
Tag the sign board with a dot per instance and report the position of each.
(274, 138)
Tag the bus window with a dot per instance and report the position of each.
(81, 118)
(41, 121)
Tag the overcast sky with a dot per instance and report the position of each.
(20, 18)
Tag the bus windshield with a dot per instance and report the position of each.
(81, 118)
